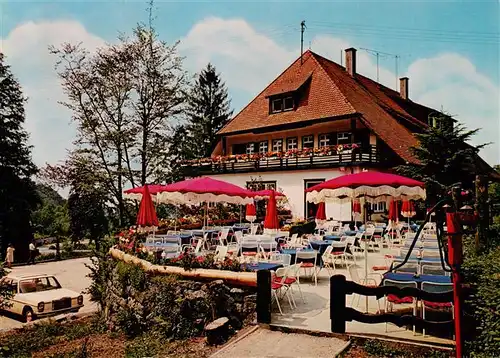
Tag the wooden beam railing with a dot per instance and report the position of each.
(361, 155)
(340, 313)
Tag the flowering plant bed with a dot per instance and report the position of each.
(292, 153)
(189, 261)
(239, 278)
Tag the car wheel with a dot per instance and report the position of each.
(28, 315)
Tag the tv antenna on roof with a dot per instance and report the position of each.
(379, 54)
(302, 29)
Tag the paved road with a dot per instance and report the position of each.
(72, 274)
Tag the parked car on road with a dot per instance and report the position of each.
(36, 296)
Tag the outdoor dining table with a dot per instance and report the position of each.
(321, 245)
(416, 278)
(257, 266)
(332, 237)
(184, 238)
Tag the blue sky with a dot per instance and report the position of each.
(450, 50)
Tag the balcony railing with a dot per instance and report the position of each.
(284, 161)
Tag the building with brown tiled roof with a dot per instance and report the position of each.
(315, 121)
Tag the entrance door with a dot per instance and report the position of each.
(310, 208)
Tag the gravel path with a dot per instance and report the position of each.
(272, 344)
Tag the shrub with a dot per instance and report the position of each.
(101, 271)
(144, 346)
(482, 272)
(130, 322)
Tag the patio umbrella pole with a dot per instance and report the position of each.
(366, 251)
(175, 219)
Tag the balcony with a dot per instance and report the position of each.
(329, 157)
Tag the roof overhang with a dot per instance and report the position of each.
(293, 125)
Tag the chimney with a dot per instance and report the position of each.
(403, 87)
(350, 61)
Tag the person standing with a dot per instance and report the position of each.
(32, 248)
(10, 255)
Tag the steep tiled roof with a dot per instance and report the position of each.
(331, 92)
(323, 99)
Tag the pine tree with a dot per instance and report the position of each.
(208, 110)
(445, 159)
(17, 191)
(180, 148)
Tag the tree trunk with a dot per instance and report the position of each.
(482, 210)
(121, 206)
(58, 248)
(144, 166)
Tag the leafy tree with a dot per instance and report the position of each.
(51, 219)
(157, 84)
(87, 216)
(48, 195)
(97, 88)
(445, 159)
(208, 110)
(88, 195)
(494, 194)
(124, 99)
(17, 190)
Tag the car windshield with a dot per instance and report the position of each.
(38, 284)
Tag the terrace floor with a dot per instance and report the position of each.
(314, 314)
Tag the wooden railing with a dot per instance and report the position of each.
(362, 155)
(340, 314)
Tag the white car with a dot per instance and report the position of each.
(36, 296)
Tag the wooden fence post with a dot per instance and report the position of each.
(337, 303)
(264, 296)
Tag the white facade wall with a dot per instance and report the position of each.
(291, 183)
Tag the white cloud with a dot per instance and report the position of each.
(249, 60)
(452, 82)
(26, 50)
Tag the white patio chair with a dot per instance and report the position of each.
(430, 244)
(436, 269)
(284, 259)
(238, 235)
(391, 300)
(223, 235)
(280, 288)
(328, 260)
(253, 229)
(293, 279)
(437, 288)
(346, 254)
(368, 282)
(409, 267)
(430, 253)
(309, 255)
(220, 253)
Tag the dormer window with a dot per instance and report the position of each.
(282, 104)
(277, 105)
